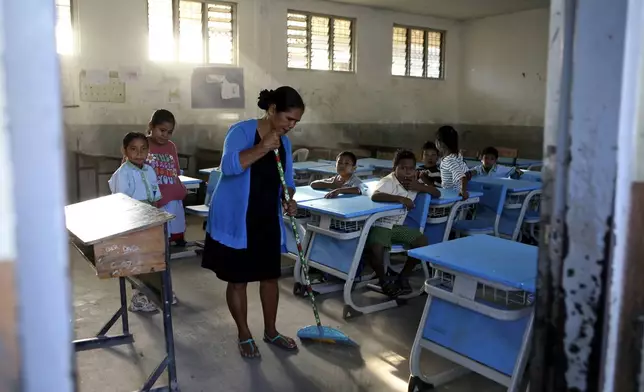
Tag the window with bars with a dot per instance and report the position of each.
(64, 27)
(417, 52)
(195, 31)
(319, 42)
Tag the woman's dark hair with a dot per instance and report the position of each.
(161, 116)
(128, 138)
(430, 146)
(448, 137)
(490, 151)
(284, 98)
(348, 154)
(403, 154)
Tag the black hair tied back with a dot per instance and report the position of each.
(265, 99)
(284, 98)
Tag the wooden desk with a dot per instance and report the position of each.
(127, 239)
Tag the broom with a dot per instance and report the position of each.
(318, 332)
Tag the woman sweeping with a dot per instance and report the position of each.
(245, 233)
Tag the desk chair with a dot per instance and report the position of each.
(488, 211)
(202, 210)
(301, 155)
(416, 218)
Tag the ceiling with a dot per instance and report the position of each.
(453, 9)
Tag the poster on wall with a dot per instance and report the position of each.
(217, 88)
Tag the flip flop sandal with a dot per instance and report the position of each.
(254, 351)
(390, 288)
(275, 341)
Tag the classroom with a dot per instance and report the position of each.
(418, 153)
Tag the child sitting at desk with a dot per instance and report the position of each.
(345, 182)
(429, 172)
(138, 180)
(489, 168)
(401, 186)
(454, 171)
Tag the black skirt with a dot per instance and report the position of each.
(261, 259)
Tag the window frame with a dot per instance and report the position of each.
(309, 15)
(425, 31)
(204, 31)
(74, 24)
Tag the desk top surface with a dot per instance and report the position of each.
(111, 216)
(530, 175)
(513, 185)
(306, 193)
(331, 170)
(348, 207)
(380, 163)
(494, 259)
(308, 165)
(449, 196)
(189, 180)
(521, 162)
(207, 170)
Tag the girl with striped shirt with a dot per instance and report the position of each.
(453, 168)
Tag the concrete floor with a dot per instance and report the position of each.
(207, 356)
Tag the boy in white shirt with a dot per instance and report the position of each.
(345, 182)
(401, 186)
(489, 168)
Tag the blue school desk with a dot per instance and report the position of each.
(521, 163)
(191, 184)
(531, 175)
(337, 233)
(522, 201)
(478, 313)
(207, 171)
(302, 194)
(301, 171)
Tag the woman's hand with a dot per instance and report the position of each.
(270, 141)
(290, 207)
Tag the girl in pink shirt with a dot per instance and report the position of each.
(164, 160)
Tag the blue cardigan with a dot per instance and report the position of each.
(227, 216)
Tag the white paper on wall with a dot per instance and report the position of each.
(229, 90)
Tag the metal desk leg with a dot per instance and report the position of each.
(101, 340)
(169, 333)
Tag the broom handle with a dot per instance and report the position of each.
(296, 233)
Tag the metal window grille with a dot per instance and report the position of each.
(417, 52)
(64, 27)
(201, 31)
(319, 42)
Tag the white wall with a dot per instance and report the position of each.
(503, 74)
(114, 33)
